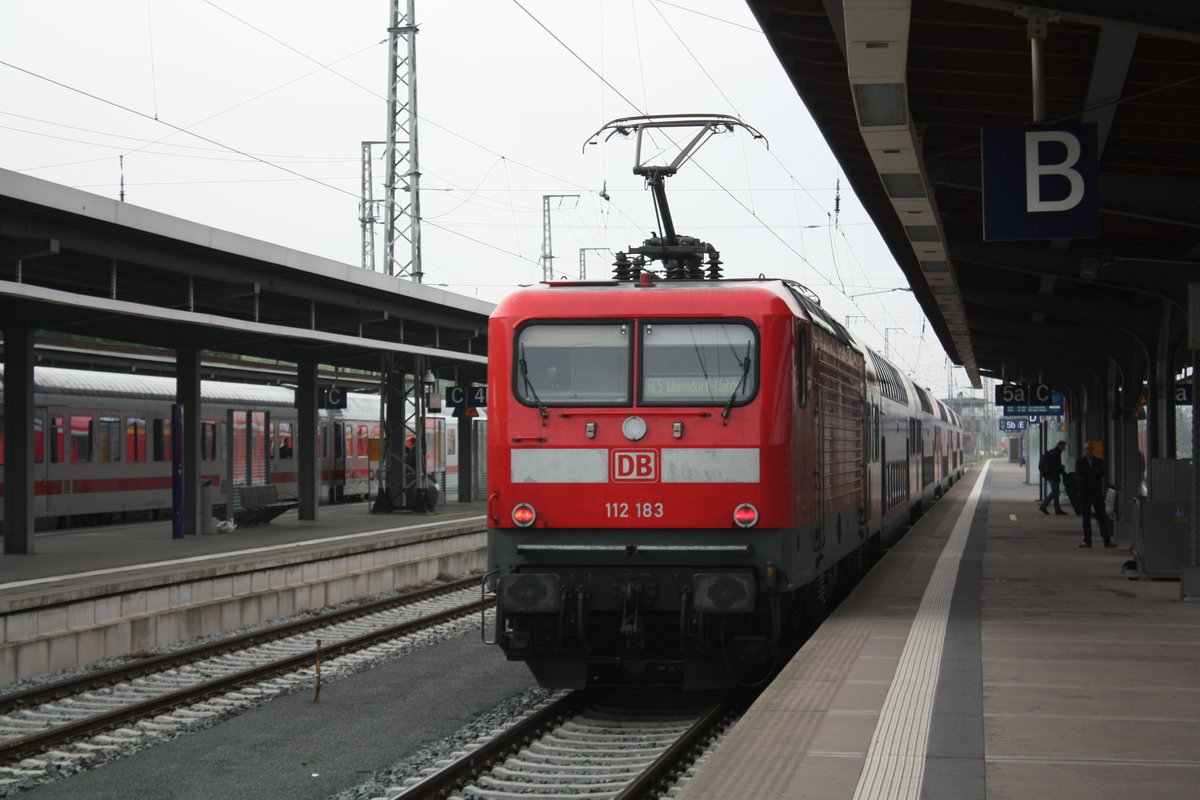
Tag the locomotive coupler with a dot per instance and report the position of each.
(684, 614)
(571, 624)
(632, 589)
(581, 620)
(563, 615)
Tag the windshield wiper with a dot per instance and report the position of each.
(529, 387)
(740, 383)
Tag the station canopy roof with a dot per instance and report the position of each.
(902, 90)
(76, 266)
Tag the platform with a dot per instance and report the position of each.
(90, 594)
(65, 554)
(986, 656)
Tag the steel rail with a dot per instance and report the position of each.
(458, 772)
(650, 783)
(654, 780)
(20, 748)
(94, 680)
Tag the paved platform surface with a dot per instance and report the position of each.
(986, 656)
(110, 551)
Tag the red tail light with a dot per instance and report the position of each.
(524, 515)
(745, 516)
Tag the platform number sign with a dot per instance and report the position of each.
(466, 397)
(332, 397)
(1013, 425)
(1012, 394)
(1040, 182)
(1021, 394)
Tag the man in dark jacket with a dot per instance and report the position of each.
(1052, 470)
(1091, 491)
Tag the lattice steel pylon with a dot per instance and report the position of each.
(402, 475)
(368, 206)
(547, 257)
(402, 204)
(583, 251)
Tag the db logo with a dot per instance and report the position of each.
(634, 465)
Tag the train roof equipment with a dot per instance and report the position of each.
(682, 256)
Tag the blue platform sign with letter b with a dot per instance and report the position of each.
(1040, 182)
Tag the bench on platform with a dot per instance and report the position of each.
(258, 505)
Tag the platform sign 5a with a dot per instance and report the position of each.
(1011, 394)
(1183, 394)
(1026, 394)
(466, 397)
(1040, 182)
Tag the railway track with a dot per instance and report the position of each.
(62, 725)
(624, 745)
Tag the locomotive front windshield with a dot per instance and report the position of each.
(697, 363)
(681, 363)
(567, 364)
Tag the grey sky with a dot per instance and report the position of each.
(280, 95)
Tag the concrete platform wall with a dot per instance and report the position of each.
(71, 633)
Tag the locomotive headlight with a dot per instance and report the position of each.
(524, 515)
(723, 593)
(745, 516)
(528, 593)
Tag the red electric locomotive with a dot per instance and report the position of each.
(683, 469)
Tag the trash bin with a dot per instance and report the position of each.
(208, 496)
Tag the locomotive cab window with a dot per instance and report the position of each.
(565, 364)
(698, 363)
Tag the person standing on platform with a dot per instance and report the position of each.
(1091, 492)
(1052, 470)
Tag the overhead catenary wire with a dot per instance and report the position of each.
(153, 68)
(177, 128)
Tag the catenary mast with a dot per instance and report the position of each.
(402, 217)
(405, 380)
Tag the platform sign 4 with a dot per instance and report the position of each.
(466, 397)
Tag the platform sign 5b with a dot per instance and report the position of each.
(1040, 182)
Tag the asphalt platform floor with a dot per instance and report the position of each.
(985, 656)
